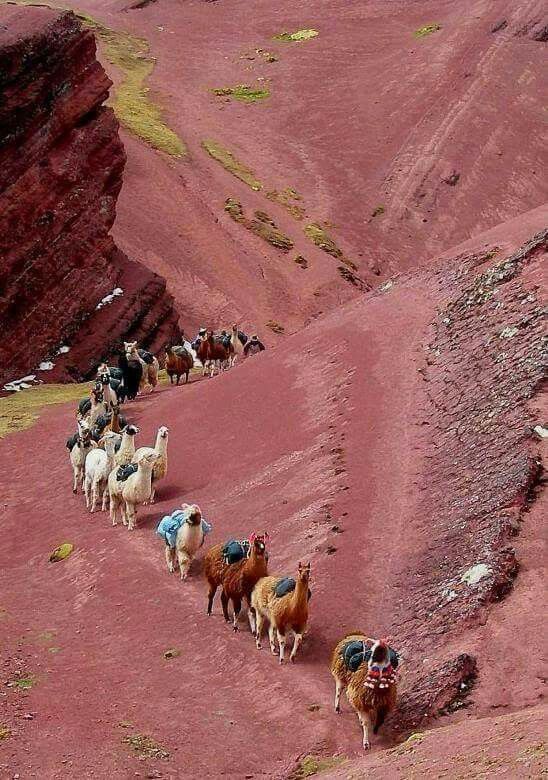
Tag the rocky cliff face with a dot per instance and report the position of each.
(61, 165)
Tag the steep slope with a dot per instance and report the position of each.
(344, 445)
(438, 135)
(61, 166)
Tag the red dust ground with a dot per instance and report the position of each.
(319, 441)
(341, 441)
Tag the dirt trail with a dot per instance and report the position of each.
(264, 461)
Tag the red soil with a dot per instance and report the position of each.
(366, 114)
(323, 432)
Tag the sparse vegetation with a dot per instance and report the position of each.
(313, 765)
(377, 211)
(21, 410)
(145, 746)
(316, 233)
(298, 35)
(243, 92)
(288, 198)
(61, 552)
(275, 327)
(24, 682)
(261, 224)
(427, 30)
(173, 652)
(302, 261)
(231, 164)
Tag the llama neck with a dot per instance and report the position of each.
(127, 442)
(161, 444)
(300, 594)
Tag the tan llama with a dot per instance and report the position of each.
(285, 613)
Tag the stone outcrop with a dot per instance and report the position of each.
(61, 166)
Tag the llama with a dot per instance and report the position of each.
(178, 362)
(149, 365)
(132, 372)
(160, 466)
(78, 448)
(126, 452)
(91, 408)
(240, 578)
(237, 346)
(99, 464)
(366, 668)
(212, 353)
(184, 533)
(109, 395)
(284, 603)
(129, 486)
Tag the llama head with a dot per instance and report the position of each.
(304, 572)
(131, 430)
(163, 432)
(109, 442)
(97, 392)
(258, 543)
(130, 348)
(193, 514)
(235, 329)
(147, 457)
(380, 672)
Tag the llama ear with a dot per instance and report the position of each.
(252, 538)
(266, 535)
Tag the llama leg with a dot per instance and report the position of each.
(86, 491)
(169, 559)
(271, 636)
(130, 515)
(210, 597)
(237, 603)
(104, 500)
(93, 496)
(224, 604)
(74, 480)
(152, 495)
(113, 509)
(338, 691)
(258, 629)
(252, 618)
(296, 644)
(281, 642)
(184, 563)
(364, 720)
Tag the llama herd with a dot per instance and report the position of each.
(111, 471)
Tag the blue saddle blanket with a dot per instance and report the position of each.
(170, 524)
(287, 585)
(234, 551)
(126, 471)
(355, 653)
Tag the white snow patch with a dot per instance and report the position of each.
(45, 365)
(109, 298)
(63, 350)
(508, 333)
(20, 384)
(541, 431)
(476, 573)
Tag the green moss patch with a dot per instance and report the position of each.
(23, 682)
(313, 765)
(61, 552)
(316, 233)
(131, 103)
(290, 200)
(295, 37)
(427, 30)
(145, 746)
(261, 224)
(231, 164)
(243, 92)
(21, 410)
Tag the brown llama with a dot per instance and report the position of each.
(284, 603)
(366, 668)
(211, 352)
(178, 363)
